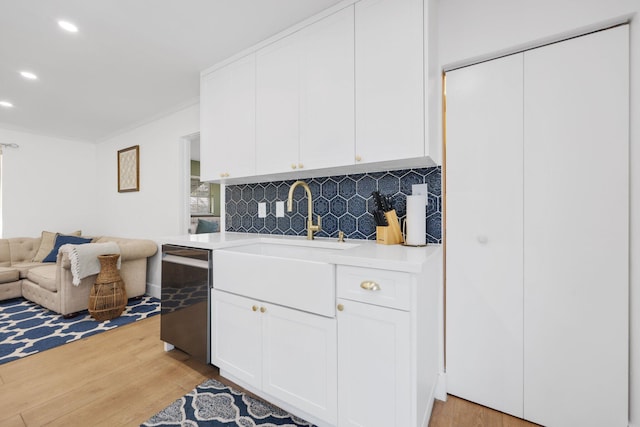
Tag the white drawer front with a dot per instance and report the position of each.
(380, 287)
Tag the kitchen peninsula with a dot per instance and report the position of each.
(336, 333)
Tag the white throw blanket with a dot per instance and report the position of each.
(84, 258)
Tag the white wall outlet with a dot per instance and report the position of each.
(279, 209)
(262, 210)
(421, 190)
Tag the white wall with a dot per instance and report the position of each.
(157, 209)
(472, 30)
(48, 184)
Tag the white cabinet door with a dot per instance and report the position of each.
(576, 231)
(299, 358)
(326, 92)
(389, 80)
(227, 121)
(374, 353)
(236, 336)
(484, 234)
(277, 106)
(304, 98)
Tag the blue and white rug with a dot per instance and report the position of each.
(213, 404)
(27, 328)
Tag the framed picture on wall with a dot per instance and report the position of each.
(129, 169)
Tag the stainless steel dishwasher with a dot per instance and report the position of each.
(184, 317)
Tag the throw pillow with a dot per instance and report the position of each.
(47, 241)
(207, 227)
(61, 239)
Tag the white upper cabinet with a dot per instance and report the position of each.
(327, 92)
(390, 113)
(277, 106)
(305, 100)
(227, 121)
(344, 89)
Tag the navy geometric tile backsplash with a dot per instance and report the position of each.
(344, 202)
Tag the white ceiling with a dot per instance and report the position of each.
(131, 61)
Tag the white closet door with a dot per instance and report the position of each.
(576, 225)
(484, 233)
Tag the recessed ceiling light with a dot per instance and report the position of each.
(28, 75)
(6, 104)
(66, 25)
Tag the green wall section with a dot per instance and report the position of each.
(215, 192)
(195, 168)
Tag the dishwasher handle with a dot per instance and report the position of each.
(174, 259)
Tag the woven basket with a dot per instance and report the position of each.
(108, 296)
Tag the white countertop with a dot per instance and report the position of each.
(367, 253)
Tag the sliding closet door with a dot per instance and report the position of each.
(576, 225)
(484, 233)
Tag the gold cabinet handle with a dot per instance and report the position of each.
(369, 285)
(254, 308)
(293, 166)
(300, 165)
(358, 158)
(263, 309)
(340, 307)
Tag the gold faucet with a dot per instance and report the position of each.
(310, 227)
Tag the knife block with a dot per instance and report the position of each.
(390, 234)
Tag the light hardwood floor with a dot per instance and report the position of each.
(456, 412)
(122, 377)
(117, 378)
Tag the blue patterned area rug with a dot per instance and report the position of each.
(213, 404)
(27, 328)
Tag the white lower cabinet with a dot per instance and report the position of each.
(288, 354)
(373, 365)
(236, 336)
(387, 346)
(299, 360)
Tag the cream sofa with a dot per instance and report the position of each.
(50, 284)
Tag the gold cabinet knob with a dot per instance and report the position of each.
(254, 308)
(263, 309)
(222, 175)
(293, 166)
(369, 285)
(358, 158)
(300, 165)
(340, 307)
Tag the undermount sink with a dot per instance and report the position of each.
(308, 250)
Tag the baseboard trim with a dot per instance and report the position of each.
(441, 387)
(427, 414)
(153, 290)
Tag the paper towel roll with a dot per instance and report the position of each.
(416, 221)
